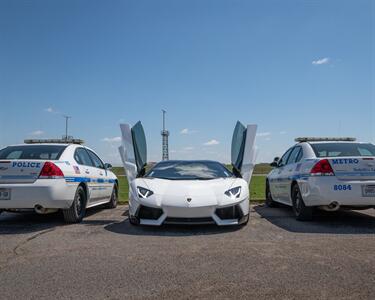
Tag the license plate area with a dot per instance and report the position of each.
(5, 194)
(368, 190)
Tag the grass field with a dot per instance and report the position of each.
(257, 185)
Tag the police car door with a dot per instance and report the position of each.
(133, 151)
(243, 150)
(104, 186)
(290, 170)
(280, 177)
(88, 173)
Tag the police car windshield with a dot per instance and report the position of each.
(343, 149)
(32, 152)
(189, 170)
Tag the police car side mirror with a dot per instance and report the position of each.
(108, 166)
(275, 162)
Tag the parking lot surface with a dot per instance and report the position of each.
(105, 257)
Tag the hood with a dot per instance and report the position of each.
(201, 192)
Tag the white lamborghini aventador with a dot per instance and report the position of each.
(188, 192)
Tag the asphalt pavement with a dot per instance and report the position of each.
(273, 257)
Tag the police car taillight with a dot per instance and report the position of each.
(50, 171)
(322, 168)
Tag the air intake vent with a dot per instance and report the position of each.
(150, 213)
(228, 213)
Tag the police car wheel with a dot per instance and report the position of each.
(133, 220)
(269, 200)
(114, 198)
(77, 211)
(301, 211)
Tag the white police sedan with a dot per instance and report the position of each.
(326, 173)
(48, 175)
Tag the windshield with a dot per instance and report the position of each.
(189, 170)
(32, 152)
(343, 149)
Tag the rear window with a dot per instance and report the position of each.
(32, 152)
(343, 149)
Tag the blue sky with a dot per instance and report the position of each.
(293, 67)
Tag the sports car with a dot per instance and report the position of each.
(188, 192)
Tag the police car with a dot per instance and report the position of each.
(326, 173)
(48, 175)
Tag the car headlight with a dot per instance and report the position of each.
(144, 193)
(234, 192)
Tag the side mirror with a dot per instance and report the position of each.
(275, 162)
(108, 166)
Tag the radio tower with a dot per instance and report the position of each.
(165, 134)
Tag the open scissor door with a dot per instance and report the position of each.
(133, 150)
(243, 150)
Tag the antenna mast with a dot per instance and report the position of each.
(66, 137)
(165, 135)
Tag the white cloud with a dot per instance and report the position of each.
(188, 149)
(212, 143)
(115, 139)
(283, 132)
(321, 61)
(262, 134)
(50, 110)
(187, 131)
(37, 133)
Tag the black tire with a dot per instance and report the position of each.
(114, 198)
(77, 211)
(269, 199)
(1, 211)
(301, 211)
(133, 220)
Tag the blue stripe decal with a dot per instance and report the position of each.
(86, 179)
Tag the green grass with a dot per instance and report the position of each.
(257, 186)
(124, 190)
(263, 168)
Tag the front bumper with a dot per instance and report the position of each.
(321, 191)
(148, 214)
(48, 193)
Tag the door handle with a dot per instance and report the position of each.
(87, 172)
(101, 173)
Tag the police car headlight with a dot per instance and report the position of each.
(234, 193)
(144, 193)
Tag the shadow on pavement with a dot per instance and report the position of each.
(340, 222)
(126, 228)
(29, 222)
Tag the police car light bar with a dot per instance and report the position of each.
(55, 141)
(325, 139)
